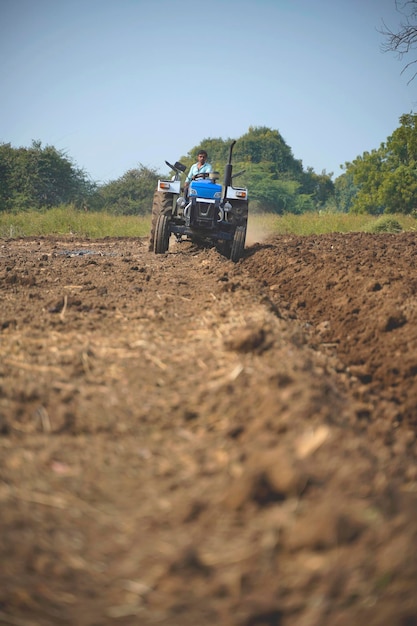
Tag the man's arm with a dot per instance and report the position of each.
(190, 174)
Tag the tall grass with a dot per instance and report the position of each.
(321, 223)
(70, 221)
(66, 220)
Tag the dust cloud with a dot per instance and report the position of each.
(257, 233)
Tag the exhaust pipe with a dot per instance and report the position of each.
(228, 170)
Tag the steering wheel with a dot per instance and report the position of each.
(201, 175)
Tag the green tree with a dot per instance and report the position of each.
(345, 192)
(269, 193)
(401, 146)
(39, 177)
(131, 194)
(258, 145)
(399, 190)
(6, 168)
(319, 187)
(261, 144)
(386, 178)
(367, 172)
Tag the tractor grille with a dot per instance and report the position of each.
(205, 210)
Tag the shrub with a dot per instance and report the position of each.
(385, 224)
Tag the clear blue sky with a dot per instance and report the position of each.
(118, 83)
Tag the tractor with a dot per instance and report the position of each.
(210, 213)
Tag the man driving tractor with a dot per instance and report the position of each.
(201, 167)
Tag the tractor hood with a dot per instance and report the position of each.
(205, 189)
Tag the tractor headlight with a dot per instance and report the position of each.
(227, 206)
(193, 192)
(218, 194)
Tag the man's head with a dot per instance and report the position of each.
(202, 156)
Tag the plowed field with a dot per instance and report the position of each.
(185, 441)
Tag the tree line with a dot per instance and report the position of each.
(37, 177)
(385, 179)
(381, 181)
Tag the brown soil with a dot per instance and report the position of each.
(191, 442)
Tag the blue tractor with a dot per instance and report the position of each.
(211, 212)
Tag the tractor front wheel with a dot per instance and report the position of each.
(162, 233)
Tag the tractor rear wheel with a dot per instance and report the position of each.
(238, 243)
(162, 233)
